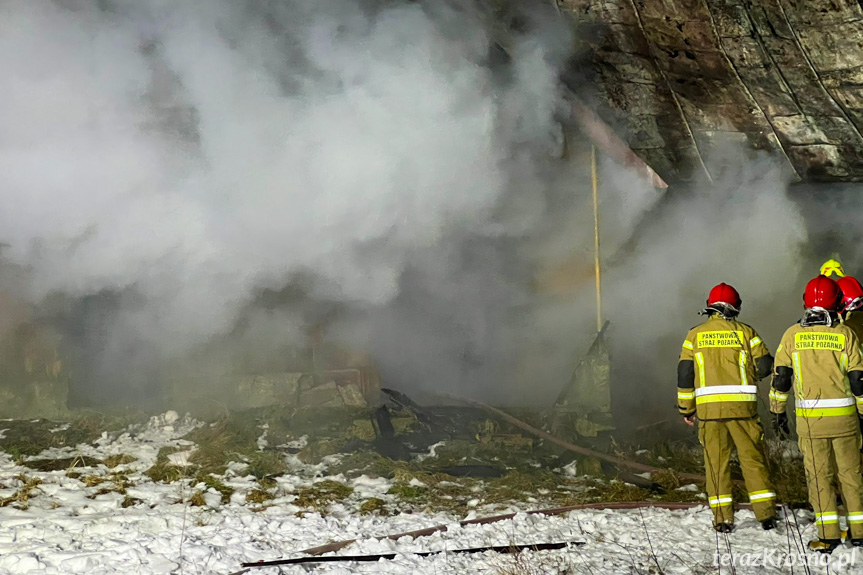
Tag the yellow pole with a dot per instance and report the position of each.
(594, 180)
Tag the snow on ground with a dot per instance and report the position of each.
(69, 528)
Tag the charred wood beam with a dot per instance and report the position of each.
(377, 557)
(618, 505)
(570, 446)
(604, 138)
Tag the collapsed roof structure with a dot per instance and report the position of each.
(681, 80)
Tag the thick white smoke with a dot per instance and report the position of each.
(195, 152)
(182, 156)
(744, 230)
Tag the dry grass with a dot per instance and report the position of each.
(666, 478)
(373, 506)
(787, 474)
(163, 471)
(321, 494)
(21, 498)
(94, 480)
(119, 459)
(226, 440)
(266, 464)
(259, 496)
(621, 491)
(214, 483)
(31, 437)
(197, 499)
(62, 464)
(407, 492)
(119, 482)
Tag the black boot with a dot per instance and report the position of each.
(769, 523)
(824, 545)
(724, 527)
(857, 542)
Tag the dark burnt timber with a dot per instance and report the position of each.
(619, 461)
(620, 505)
(682, 80)
(389, 556)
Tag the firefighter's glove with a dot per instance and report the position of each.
(780, 425)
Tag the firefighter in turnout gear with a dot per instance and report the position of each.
(852, 302)
(721, 362)
(820, 359)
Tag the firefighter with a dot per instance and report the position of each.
(852, 302)
(721, 362)
(820, 358)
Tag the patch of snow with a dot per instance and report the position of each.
(432, 453)
(367, 487)
(235, 468)
(181, 458)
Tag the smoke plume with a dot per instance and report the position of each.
(162, 163)
(744, 230)
(178, 173)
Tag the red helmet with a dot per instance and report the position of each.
(851, 291)
(724, 293)
(822, 292)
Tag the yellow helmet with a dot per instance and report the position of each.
(831, 267)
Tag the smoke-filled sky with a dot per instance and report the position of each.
(187, 155)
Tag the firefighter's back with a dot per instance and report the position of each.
(819, 356)
(724, 351)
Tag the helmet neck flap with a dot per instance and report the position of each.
(819, 316)
(727, 311)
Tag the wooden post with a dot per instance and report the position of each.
(594, 180)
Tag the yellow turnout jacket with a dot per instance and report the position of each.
(720, 364)
(816, 362)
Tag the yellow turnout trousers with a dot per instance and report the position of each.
(718, 436)
(826, 459)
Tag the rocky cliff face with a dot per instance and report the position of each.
(680, 79)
